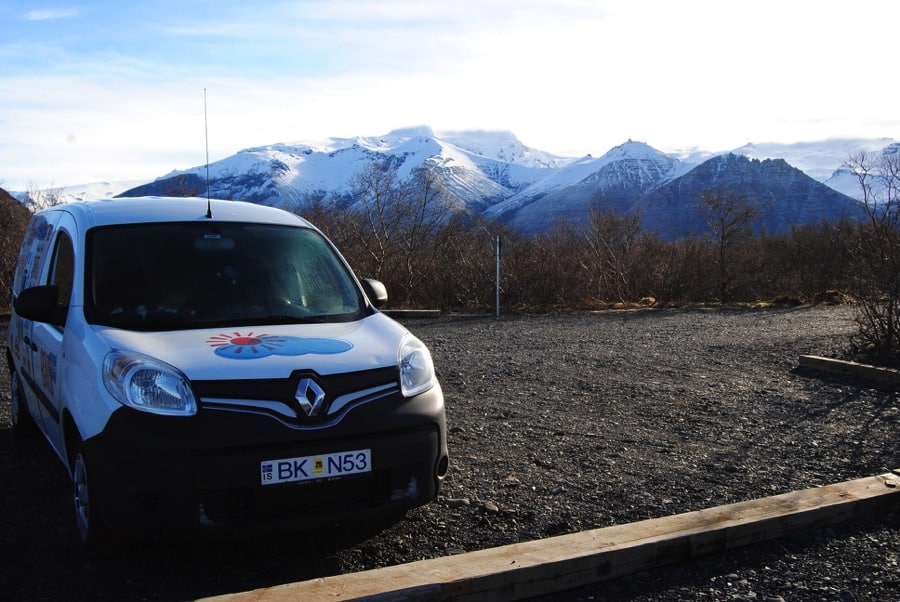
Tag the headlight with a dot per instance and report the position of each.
(148, 384)
(416, 367)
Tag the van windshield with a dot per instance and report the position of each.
(172, 276)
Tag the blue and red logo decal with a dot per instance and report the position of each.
(250, 346)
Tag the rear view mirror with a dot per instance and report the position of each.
(38, 304)
(375, 291)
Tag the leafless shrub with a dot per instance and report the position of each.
(877, 250)
(729, 218)
(429, 254)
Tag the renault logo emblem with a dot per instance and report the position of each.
(310, 396)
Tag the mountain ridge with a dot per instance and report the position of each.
(494, 174)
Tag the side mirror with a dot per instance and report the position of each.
(38, 304)
(375, 291)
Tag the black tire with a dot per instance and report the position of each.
(23, 424)
(96, 537)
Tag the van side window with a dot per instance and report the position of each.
(62, 271)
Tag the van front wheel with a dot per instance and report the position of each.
(95, 536)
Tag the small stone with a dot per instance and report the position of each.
(458, 502)
(511, 481)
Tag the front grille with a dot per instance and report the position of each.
(277, 397)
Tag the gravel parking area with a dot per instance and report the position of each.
(557, 424)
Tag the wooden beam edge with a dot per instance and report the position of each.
(544, 566)
(876, 374)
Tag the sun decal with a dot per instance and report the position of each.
(248, 346)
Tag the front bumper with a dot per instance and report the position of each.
(158, 476)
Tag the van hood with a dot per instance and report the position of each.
(255, 352)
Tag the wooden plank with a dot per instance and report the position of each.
(884, 377)
(554, 564)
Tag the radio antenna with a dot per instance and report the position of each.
(206, 131)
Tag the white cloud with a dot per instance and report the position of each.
(50, 14)
(569, 77)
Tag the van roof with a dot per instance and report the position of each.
(132, 210)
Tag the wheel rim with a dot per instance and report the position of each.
(82, 508)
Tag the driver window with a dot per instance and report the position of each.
(62, 270)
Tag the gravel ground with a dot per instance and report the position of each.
(557, 424)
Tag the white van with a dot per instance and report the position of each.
(203, 365)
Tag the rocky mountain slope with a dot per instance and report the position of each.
(783, 195)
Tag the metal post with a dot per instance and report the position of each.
(498, 276)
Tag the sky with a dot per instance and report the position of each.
(106, 90)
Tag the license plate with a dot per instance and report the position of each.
(310, 468)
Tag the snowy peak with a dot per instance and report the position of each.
(628, 170)
(638, 164)
(502, 146)
(634, 150)
(617, 179)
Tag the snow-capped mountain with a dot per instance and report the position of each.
(494, 174)
(616, 180)
(478, 168)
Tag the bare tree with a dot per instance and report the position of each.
(333, 220)
(682, 271)
(878, 254)
(467, 255)
(423, 210)
(41, 198)
(729, 217)
(612, 242)
(396, 225)
(815, 258)
(547, 270)
(376, 191)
